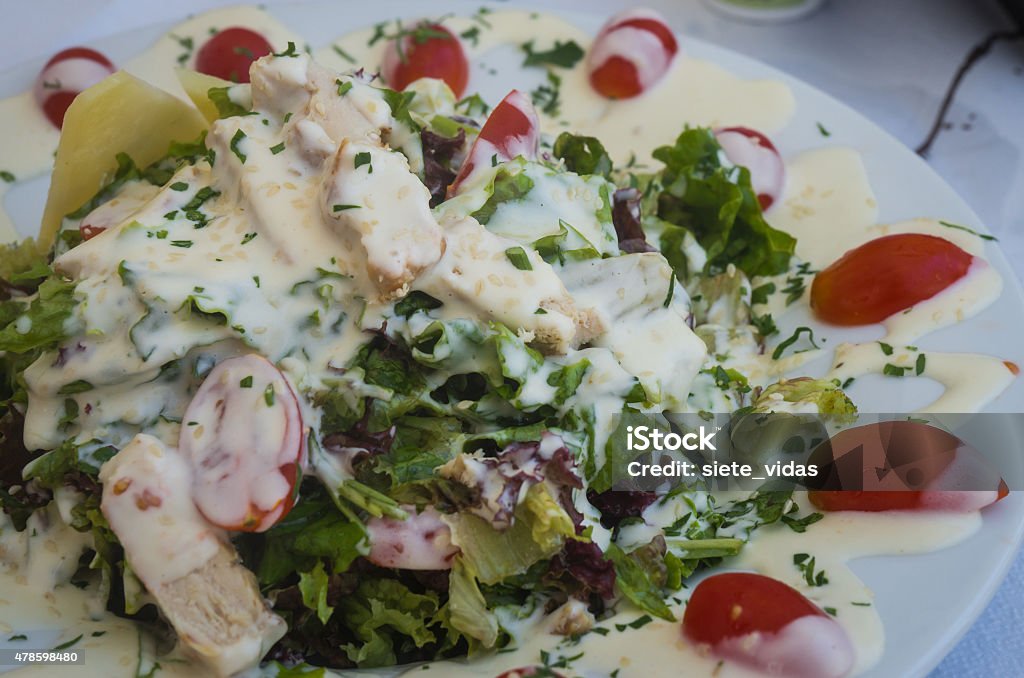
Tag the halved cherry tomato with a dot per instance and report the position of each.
(89, 232)
(230, 52)
(885, 276)
(753, 150)
(511, 130)
(902, 466)
(527, 671)
(67, 74)
(243, 434)
(631, 53)
(762, 622)
(426, 51)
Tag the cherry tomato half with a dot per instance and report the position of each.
(901, 465)
(885, 276)
(243, 434)
(762, 622)
(631, 53)
(753, 150)
(66, 75)
(229, 53)
(427, 51)
(511, 130)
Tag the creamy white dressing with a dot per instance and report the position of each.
(828, 205)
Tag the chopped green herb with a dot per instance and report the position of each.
(343, 86)
(179, 186)
(760, 294)
(548, 96)
(363, 158)
(268, 395)
(781, 348)
(66, 645)
(831, 610)
(256, 279)
(277, 149)
(248, 237)
(17, 636)
(239, 135)
(472, 35)
(805, 563)
(342, 208)
(290, 52)
(181, 243)
(563, 54)
(983, 236)
(886, 348)
(7, 176)
(343, 54)
(246, 382)
(764, 324)
(891, 370)
(919, 365)
(519, 258)
(824, 132)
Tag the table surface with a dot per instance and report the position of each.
(892, 61)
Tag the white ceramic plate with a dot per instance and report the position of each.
(927, 602)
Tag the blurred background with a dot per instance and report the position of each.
(895, 61)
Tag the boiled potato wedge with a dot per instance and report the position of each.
(197, 86)
(119, 114)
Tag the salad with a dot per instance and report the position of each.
(328, 370)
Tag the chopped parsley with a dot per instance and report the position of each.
(179, 186)
(472, 35)
(764, 324)
(519, 259)
(563, 54)
(246, 382)
(363, 158)
(289, 52)
(343, 54)
(7, 176)
(891, 370)
(805, 563)
(268, 395)
(239, 136)
(760, 294)
(983, 236)
(182, 243)
(886, 348)
(342, 207)
(343, 86)
(637, 623)
(824, 132)
(549, 96)
(919, 365)
(781, 348)
(248, 237)
(277, 149)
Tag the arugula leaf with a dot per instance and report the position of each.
(719, 206)
(583, 154)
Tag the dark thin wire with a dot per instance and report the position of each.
(976, 53)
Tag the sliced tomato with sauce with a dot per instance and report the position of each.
(885, 276)
(763, 623)
(428, 50)
(528, 671)
(901, 465)
(67, 74)
(511, 130)
(753, 150)
(631, 54)
(229, 53)
(244, 436)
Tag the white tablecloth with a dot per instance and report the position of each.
(890, 60)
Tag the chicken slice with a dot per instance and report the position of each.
(477, 272)
(373, 199)
(212, 601)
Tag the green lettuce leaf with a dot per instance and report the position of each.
(387, 617)
(467, 610)
(582, 154)
(42, 322)
(639, 583)
(505, 187)
(539, 529)
(313, 586)
(718, 205)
